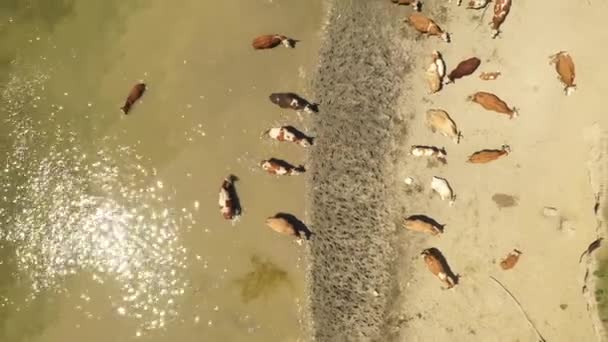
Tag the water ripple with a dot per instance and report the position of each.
(68, 208)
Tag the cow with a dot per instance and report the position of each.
(565, 70)
(464, 68)
(424, 224)
(511, 260)
(429, 151)
(492, 102)
(269, 41)
(423, 24)
(435, 72)
(289, 133)
(416, 4)
(280, 167)
(440, 121)
(477, 4)
(443, 188)
(489, 75)
(293, 101)
(136, 92)
(501, 9)
(436, 263)
(486, 156)
(288, 224)
(228, 200)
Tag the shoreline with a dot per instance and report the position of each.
(351, 259)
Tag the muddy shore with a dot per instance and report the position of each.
(351, 172)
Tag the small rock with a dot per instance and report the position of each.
(567, 226)
(409, 180)
(550, 212)
(563, 306)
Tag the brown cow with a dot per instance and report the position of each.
(438, 120)
(280, 167)
(426, 25)
(437, 264)
(501, 9)
(511, 260)
(424, 224)
(565, 70)
(464, 68)
(477, 4)
(228, 200)
(288, 224)
(416, 4)
(136, 92)
(289, 133)
(489, 75)
(435, 72)
(492, 102)
(486, 156)
(269, 41)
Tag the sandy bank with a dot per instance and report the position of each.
(361, 259)
(552, 141)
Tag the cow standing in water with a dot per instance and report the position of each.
(293, 101)
(230, 207)
(289, 133)
(269, 41)
(136, 92)
(280, 167)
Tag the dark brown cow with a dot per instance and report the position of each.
(136, 92)
(464, 68)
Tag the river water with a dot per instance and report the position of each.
(110, 228)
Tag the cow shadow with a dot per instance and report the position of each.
(299, 226)
(444, 263)
(428, 220)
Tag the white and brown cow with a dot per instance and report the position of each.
(289, 133)
(280, 167)
(230, 207)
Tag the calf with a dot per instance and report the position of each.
(489, 75)
(293, 101)
(486, 156)
(436, 263)
(426, 25)
(565, 70)
(492, 102)
(464, 68)
(280, 167)
(269, 41)
(435, 72)
(416, 4)
(228, 199)
(424, 224)
(511, 260)
(440, 121)
(501, 9)
(429, 151)
(443, 188)
(289, 133)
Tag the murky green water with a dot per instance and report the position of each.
(110, 225)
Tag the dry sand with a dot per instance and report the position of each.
(556, 145)
(356, 193)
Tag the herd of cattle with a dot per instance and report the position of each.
(439, 121)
